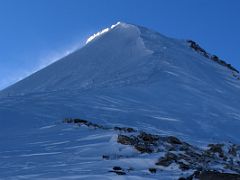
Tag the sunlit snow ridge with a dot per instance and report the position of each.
(101, 32)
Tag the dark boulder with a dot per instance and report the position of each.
(216, 148)
(148, 138)
(144, 148)
(173, 140)
(152, 170)
(127, 140)
(211, 175)
(168, 159)
(183, 166)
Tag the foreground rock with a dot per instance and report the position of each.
(207, 164)
(215, 157)
(118, 170)
(210, 175)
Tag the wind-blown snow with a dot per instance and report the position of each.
(94, 36)
(126, 75)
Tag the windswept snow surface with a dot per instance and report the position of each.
(126, 75)
(96, 35)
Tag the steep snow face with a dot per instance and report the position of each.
(129, 76)
(134, 75)
(104, 57)
(168, 86)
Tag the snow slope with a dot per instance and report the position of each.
(126, 75)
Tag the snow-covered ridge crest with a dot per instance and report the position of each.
(132, 31)
(94, 36)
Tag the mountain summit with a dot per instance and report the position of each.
(127, 76)
(122, 54)
(185, 85)
(114, 54)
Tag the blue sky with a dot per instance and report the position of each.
(35, 33)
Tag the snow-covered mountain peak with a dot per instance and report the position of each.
(107, 52)
(123, 55)
(131, 92)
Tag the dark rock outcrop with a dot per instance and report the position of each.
(196, 47)
(206, 163)
(152, 170)
(211, 175)
(81, 122)
(168, 159)
(118, 170)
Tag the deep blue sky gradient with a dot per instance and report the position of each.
(33, 33)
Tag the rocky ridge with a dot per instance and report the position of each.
(214, 160)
